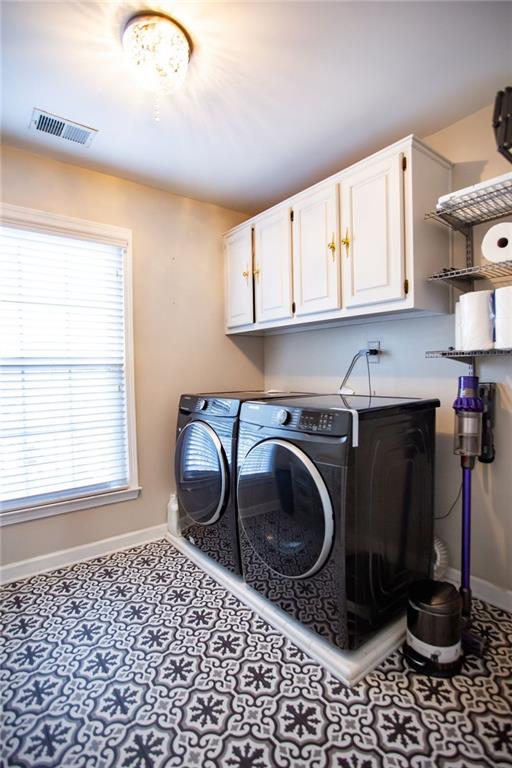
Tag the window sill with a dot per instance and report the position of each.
(72, 505)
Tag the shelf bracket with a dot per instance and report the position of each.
(469, 247)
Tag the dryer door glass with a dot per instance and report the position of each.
(285, 509)
(201, 475)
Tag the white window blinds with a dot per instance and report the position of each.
(63, 410)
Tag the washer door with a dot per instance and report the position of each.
(285, 509)
(201, 475)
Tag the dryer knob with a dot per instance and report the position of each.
(282, 416)
(201, 404)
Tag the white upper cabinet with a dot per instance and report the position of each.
(273, 265)
(238, 277)
(358, 246)
(372, 228)
(316, 279)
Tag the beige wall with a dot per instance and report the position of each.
(317, 360)
(178, 327)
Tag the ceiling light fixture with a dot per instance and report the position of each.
(159, 50)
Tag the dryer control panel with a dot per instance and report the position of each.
(316, 421)
(336, 422)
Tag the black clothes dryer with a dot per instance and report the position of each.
(335, 502)
(205, 471)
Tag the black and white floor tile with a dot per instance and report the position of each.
(141, 660)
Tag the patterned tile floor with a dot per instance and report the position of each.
(140, 660)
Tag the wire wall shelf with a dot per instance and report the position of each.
(462, 278)
(460, 211)
(464, 356)
(465, 209)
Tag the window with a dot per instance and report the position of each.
(66, 383)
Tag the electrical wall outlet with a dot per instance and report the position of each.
(374, 345)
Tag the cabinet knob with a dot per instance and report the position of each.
(245, 274)
(256, 272)
(332, 247)
(346, 241)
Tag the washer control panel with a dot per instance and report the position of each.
(211, 406)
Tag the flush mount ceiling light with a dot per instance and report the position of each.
(159, 50)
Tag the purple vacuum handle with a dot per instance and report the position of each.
(465, 564)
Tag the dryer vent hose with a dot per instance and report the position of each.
(439, 558)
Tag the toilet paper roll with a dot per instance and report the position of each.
(497, 242)
(503, 303)
(477, 320)
(458, 329)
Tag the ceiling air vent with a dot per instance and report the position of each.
(62, 128)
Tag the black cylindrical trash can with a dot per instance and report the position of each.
(433, 644)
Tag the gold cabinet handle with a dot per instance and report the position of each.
(346, 241)
(245, 274)
(256, 272)
(332, 247)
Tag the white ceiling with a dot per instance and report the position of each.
(278, 95)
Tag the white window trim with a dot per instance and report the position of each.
(64, 225)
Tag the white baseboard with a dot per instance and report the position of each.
(25, 568)
(484, 590)
(347, 666)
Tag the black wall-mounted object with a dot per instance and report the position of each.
(487, 393)
(502, 122)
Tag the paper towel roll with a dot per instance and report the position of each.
(497, 242)
(458, 330)
(503, 299)
(477, 320)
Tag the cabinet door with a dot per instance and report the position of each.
(315, 251)
(273, 266)
(372, 227)
(238, 266)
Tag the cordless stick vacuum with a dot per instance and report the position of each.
(468, 408)
(439, 616)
